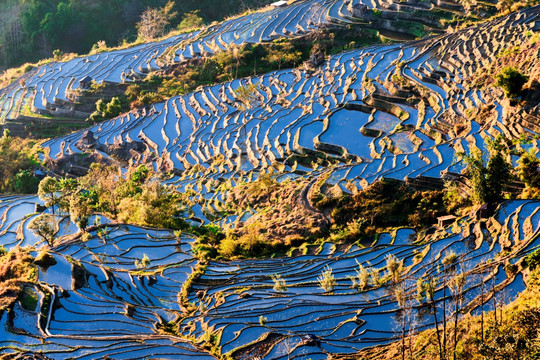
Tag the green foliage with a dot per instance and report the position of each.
(283, 53)
(48, 192)
(511, 80)
(453, 199)
(532, 260)
(17, 163)
(528, 169)
(386, 203)
(183, 295)
(26, 182)
(44, 226)
(246, 95)
(191, 20)
(58, 55)
(491, 180)
(204, 251)
(107, 110)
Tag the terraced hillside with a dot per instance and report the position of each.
(94, 301)
(397, 111)
(402, 111)
(52, 89)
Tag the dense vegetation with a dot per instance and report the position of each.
(16, 269)
(18, 160)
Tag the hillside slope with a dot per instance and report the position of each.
(401, 111)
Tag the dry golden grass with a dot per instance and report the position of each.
(16, 269)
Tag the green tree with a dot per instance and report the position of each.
(79, 210)
(113, 108)
(528, 168)
(26, 182)
(246, 95)
(191, 20)
(48, 192)
(101, 183)
(511, 80)
(491, 180)
(44, 226)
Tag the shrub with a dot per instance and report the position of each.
(204, 251)
(511, 80)
(26, 182)
(45, 259)
(279, 283)
(58, 54)
(532, 260)
(144, 263)
(326, 280)
(17, 269)
(191, 20)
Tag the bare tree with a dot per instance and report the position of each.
(154, 21)
(457, 284)
(425, 290)
(398, 289)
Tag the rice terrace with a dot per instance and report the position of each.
(302, 179)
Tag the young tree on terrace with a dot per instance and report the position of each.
(48, 192)
(154, 21)
(449, 268)
(44, 226)
(246, 95)
(457, 284)
(79, 210)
